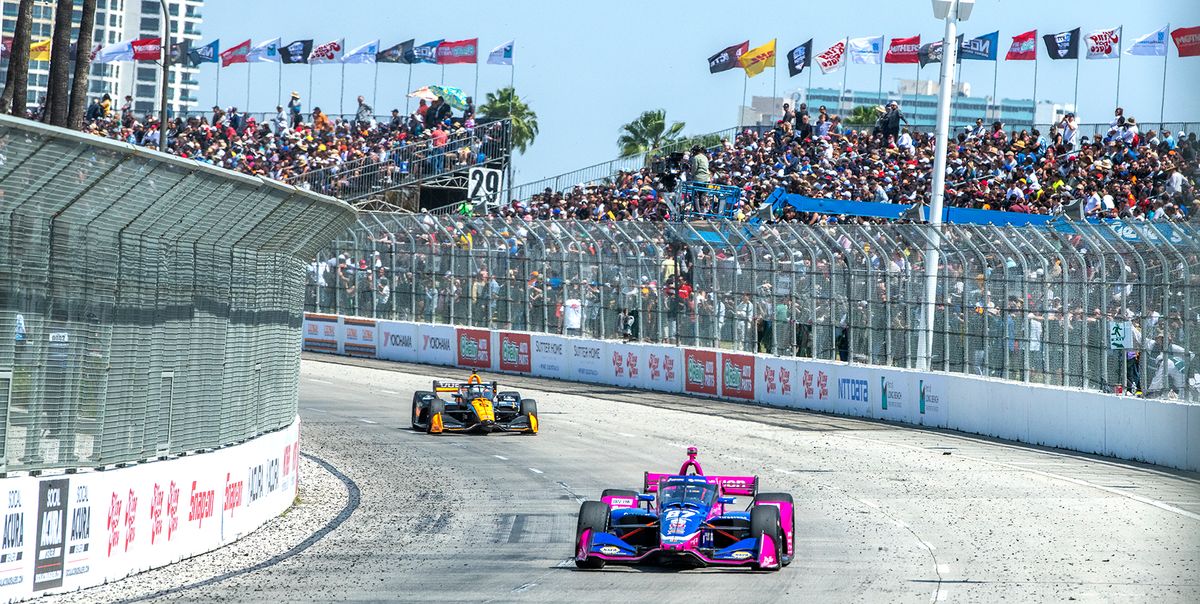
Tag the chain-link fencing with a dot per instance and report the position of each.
(1104, 307)
(148, 304)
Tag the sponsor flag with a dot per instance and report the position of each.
(458, 51)
(982, 48)
(1103, 43)
(121, 51)
(865, 51)
(179, 53)
(1062, 45)
(399, 53)
(799, 58)
(728, 58)
(329, 52)
(236, 54)
(1023, 47)
(205, 54)
(1153, 44)
(147, 49)
(74, 52)
(40, 50)
(426, 53)
(831, 59)
(296, 52)
(363, 54)
(264, 52)
(932, 52)
(502, 54)
(1187, 41)
(757, 59)
(903, 50)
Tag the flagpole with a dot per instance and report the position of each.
(842, 92)
(279, 86)
(342, 92)
(775, 83)
(741, 109)
(217, 102)
(879, 93)
(1120, 43)
(1163, 103)
(248, 64)
(310, 96)
(443, 82)
(995, 79)
(1076, 101)
(475, 90)
(916, 84)
(375, 91)
(408, 99)
(1035, 70)
(808, 91)
(512, 91)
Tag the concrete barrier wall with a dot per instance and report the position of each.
(1153, 431)
(70, 531)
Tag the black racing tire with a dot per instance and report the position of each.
(764, 520)
(620, 493)
(417, 396)
(529, 408)
(436, 406)
(593, 515)
(788, 498)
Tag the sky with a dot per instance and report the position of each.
(586, 68)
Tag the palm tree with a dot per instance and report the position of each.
(16, 83)
(57, 101)
(862, 116)
(647, 133)
(83, 63)
(505, 103)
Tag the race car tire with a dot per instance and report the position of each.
(762, 497)
(528, 409)
(436, 406)
(593, 515)
(416, 409)
(764, 520)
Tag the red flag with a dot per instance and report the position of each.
(1187, 41)
(1024, 47)
(236, 54)
(903, 50)
(147, 49)
(458, 51)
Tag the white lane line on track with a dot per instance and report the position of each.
(317, 410)
(500, 457)
(389, 392)
(536, 471)
(627, 435)
(320, 381)
(366, 421)
(870, 503)
(565, 563)
(525, 587)
(785, 471)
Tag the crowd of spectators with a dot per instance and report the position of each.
(1122, 173)
(312, 149)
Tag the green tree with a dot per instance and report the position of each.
(862, 116)
(505, 103)
(647, 133)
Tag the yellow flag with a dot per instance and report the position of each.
(755, 60)
(40, 51)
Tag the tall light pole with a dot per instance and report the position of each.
(952, 11)
(166, 77)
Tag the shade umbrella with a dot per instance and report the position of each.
(453, 96)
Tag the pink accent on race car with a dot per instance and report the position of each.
(786, 511)
(585, 544)
(691, 462)
(766, 553)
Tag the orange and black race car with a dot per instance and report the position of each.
(473, 406)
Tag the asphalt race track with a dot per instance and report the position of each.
(884, 513)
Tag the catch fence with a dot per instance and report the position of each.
(1109, 307)
(149, 305)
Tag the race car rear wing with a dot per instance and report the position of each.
(450, 386)
(745, 486)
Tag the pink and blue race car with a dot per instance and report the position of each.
(687, 519)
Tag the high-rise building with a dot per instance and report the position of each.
(116, 20)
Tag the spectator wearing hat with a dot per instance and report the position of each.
(296, 109)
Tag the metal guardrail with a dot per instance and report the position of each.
(148, 303)
(1030, 303)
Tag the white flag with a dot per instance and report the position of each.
(1153, 44)
(363, 54)
(502, 54)
(329, 52)
(865, 50)
(121, 51)
(832, 58)
(1103, 43)
(264, 52)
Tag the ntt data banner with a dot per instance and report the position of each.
(63, 533)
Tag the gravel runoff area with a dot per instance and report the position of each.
(323, 497)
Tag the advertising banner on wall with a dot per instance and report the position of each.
(474, 347)
(933, 400)
(776, 381)
(588, 360)
(817, 382)
(853, 389)
(358, 337)
(661, 368)
(737, 375)
(398, 341)
(893, 399)
(320, 333)
(66, 532)
(700, 371)
(623, 369)
(551, 356)
(515, 352)
(436, 344)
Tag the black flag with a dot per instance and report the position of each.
(799, 58)
(180, 52)
(1063, 45)
(296, 52)
(728, 58)
(932, 52)
(399, 53)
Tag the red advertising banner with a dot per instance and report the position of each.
(1024, 47)
(1187, 41)
(458, 51)
(358, 337)
(701, 371)
(147, 49)
(903, 50)
(514, 352)
(473, 348)
(236, 54)
(737, 375)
